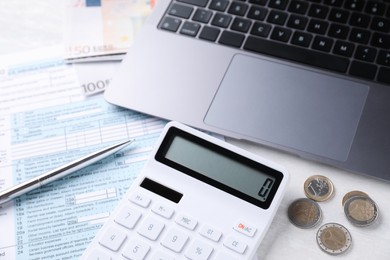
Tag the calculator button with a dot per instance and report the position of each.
(211, 233)
(163, 211)
(199, 251)
(112, 238)
(187, 222)
(245, 229)
(151, 228)
(136, 250)
(235, 245)
(175, 240)
(97, 254)
(162, 256)
(140, 200)
(127, 217)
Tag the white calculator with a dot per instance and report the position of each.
(198, 197)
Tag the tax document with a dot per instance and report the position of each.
(47, 120)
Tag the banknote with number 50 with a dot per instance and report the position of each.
(102, 29)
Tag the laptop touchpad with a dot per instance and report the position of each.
(288, 106)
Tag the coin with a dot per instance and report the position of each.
(361, 210)
(353, 194)
(304, 213)
(334, 238)
(318, 188)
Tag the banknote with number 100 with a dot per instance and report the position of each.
(102, 29)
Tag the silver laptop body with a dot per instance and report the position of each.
(314, 113)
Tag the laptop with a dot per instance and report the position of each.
(311, 78)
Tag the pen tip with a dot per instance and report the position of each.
(129, 141)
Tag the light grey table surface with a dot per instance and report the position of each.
(31, 24)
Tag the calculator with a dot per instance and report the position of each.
(197, 197)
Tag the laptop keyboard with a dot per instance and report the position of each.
(345, 36)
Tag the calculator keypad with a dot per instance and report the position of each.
(199, 250)
(235, 245)
(150, 221)
(113, 238)
(211, 233)
(128, 217)
(151, 228)
(136, 250)
(175, 240)
(163, 211)
(187, 222)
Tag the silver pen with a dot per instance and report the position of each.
(60, 172)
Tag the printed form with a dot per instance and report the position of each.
(47, 121)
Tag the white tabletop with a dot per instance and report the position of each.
(31, 24)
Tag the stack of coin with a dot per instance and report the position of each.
(360, 209)
(332, 238)
(306, 212)
(318, 188)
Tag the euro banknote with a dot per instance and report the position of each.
(102, 29)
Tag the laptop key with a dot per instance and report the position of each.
(221, 20)
(381, 40)
(354, 5)
(297, 22)
(281, 34)
(365, 53)
(318, 11)
(190, 28)
(202, 16)
(238, 8)
(180, 10)
(241, 25)
(261, 29)
(170, 24)
(338, 31)
(363, 70)
(338, 15)
(231, 39)
(384, 75)
(298, 54)
(360, 35)
(201, 3)
(301, 39)
(209, 33)
(384, 58)
(258, 2)
(343, 48)
(334, 2)
(277, 17)
(219, 5)
(322, 43)
(298, 7)
(380, 24)
(375, 8)
(317, 26)
(278, 4)
(257, 13)
(360, 20)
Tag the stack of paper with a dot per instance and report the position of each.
(47, 121)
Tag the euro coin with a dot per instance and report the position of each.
(334, 239)
(353, 194)
(318, 188)
(361, 210)
(304, 213)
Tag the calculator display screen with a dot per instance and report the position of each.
(220, 167)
